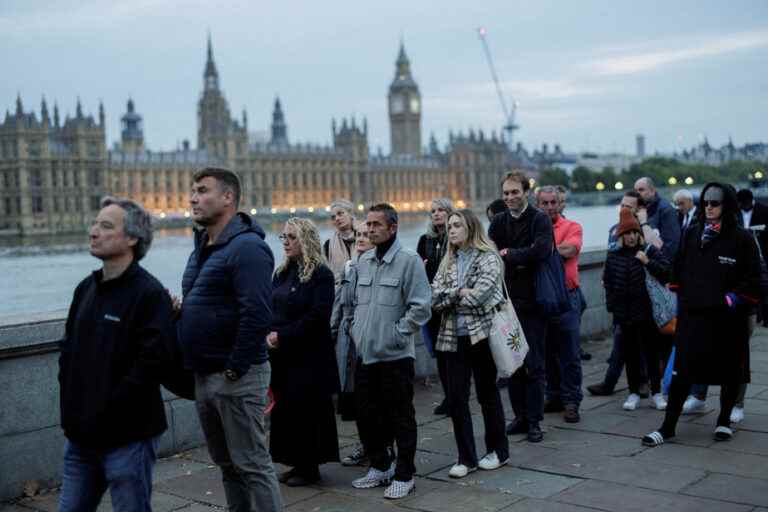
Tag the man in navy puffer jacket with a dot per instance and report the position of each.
(225, 318)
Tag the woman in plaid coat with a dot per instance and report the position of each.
(467, 291)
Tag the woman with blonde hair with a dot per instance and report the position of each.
(431, 247)
(467, 291)
(304, 372)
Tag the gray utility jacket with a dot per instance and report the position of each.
(393, 302)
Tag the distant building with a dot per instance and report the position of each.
(597, 162)
(53, 174)
(640, 146)
(706, 154)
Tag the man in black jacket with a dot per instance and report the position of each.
(225, 317)
(112, 359)
(524, 237)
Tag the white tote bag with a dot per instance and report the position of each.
(507, 339)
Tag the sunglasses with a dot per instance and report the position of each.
(712, 204)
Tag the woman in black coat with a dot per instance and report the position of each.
(717, 279)
(432, 247)
(304, 371)
(626, 296)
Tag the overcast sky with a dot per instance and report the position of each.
(586, 74)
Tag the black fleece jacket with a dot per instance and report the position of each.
(113, 354)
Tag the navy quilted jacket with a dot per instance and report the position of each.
(227, 309)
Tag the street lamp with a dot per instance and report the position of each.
(689, 180)
(600, 186)
(672, 181)
(759, 175)
(619, 185)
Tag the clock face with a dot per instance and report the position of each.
(397, 105)
(415, 105)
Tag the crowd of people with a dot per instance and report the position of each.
(333, 329)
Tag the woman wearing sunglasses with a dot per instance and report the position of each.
(717, 279)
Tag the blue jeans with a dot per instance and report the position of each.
(564, 355)
(126, 471)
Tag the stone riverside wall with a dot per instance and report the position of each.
(31, 440)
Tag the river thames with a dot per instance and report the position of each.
(39, 275)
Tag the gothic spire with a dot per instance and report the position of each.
(211, 75)
(55, 114)
(279, 128)
(43, 109)
(403, 64)
(19, 106)
(101, 113)
(78, 109)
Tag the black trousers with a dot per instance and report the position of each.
(528, 384)
(468, 361)
(680, 388)
(385, 411)
(642, 347)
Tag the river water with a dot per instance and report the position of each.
(39, 276)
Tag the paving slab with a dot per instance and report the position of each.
(621, 470)
(704, 459)
(332, 502)
(461, 498)
(535, 505)
(520, 482)
(161, 502)
(604, 444)
(752, 422)
(736, 489)
(687, 433)
(745, 441)
(615, 497)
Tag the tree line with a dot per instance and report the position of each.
(664, 172)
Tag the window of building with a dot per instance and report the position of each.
(56, 205)
(76, 179)
(37, 204)
(8, 206)
(95, 203)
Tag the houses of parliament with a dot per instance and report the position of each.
(53, 172)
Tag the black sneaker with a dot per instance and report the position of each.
(442, 409)
(601, 389)
(358, 457)
(517, 426)
(571, 414)
(535, 435)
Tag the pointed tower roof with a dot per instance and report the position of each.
(43, 108)
(19, 106)
(403, 77)
(78, 109)
(210, 65)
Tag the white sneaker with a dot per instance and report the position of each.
(737, 415)
(460, 471)
(632, 401)
(693, 405)
(659, 401)
(491, 461)
(398, 489)
(374, 478)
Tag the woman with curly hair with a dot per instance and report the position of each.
(304, 372)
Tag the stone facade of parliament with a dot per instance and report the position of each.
(53, 173)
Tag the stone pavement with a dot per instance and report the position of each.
(597, 464)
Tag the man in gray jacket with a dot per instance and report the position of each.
(393, 300)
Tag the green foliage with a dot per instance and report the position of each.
(661, 169)
(554, 176)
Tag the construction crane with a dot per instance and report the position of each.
(509, 114)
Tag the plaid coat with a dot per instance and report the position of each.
(483, 277)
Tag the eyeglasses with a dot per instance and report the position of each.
(712, 204)
(288, 236)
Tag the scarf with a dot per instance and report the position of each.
(711, 231)
(338, 255)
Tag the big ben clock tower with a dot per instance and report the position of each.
(404, 109)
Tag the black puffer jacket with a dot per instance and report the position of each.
(432, 249)
(624, 279)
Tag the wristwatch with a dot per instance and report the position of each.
(231, 375)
